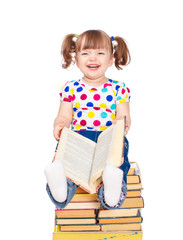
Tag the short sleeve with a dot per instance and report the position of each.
(65, 93)
(123, 93)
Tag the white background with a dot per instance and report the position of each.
(31, 76)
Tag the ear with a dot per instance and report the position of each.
(111, 60)
(76, 60)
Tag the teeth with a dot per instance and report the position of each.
(93, 66)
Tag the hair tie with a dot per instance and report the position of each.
(114, 42)
(112, 38)
(75, 37)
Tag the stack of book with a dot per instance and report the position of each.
(80, 214)
(83, 218)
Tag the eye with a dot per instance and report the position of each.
(84, 53)
(101, 53)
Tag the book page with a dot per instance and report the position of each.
(102, 151)
(117, 145)
(109, 149)
(76, 152)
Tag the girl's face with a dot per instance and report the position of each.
(93, 63)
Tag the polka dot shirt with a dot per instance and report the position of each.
(94, 108)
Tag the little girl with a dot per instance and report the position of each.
(90, 105)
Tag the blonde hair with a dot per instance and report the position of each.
(95, 39)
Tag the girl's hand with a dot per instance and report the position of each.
(64, 118)
(128, 123)
(57, 129)
(123, 109)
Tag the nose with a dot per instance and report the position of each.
(93, 56)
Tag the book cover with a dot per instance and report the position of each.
(129, 212)
(121, 227)
(120, 220)
(77, 221)
(120, 235)
(79, 213)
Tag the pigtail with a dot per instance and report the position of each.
(121, 53)
(67, 50)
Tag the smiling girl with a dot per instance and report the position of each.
(89, 106)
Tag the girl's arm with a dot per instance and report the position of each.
(123, 109)
(64, 118)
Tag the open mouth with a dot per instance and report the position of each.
(93, 67)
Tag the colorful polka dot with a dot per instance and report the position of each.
(113, 116)
(116, 82)
(96, 123)
(72, 97)
(108, 123)
(122, 100)
(76, 84)
(123, 91)
(66, 89)
(77, 105)
(83, 123)
(113, 107)
(66, 100)
(109, 98)
(92, 90)
(102, 128)
(103, 115)
(107, 84)
(108, 110)
(104, 90)
(118, 98)
(79, 89)
(103, 105)
(72, 91)
(90, 128)
(79, 114)
(117, 87)
(74, 122)
(91, 114)
(94, 108)
(96, 97)
(89, 104)
(83, 97)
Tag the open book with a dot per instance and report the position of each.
(84, 160)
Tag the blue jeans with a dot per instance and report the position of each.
(72, 187)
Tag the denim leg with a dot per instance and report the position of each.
(92, 135)
(126, 165)
(71, 190)
(125, 168)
